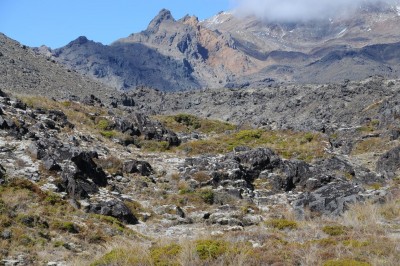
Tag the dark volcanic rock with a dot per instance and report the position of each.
(92, 100)
(2, 174)
(153, 130)
(83, 177)
(331, 199)
(389, 163)
(115, 209)
(50, 164)
(88, 168)
(76, 184)
(141, 167)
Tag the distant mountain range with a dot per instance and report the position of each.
(232, 51)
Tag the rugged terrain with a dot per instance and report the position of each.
(260, 173)
(296, 175)
(234, 51)
(22, 71)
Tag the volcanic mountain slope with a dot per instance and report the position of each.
(23, 71)
(168, 55)
(233, 51)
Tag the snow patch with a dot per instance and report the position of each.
(398, 10)
(340, 34)
(218, 19)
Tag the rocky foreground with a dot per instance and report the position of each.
(89, 182)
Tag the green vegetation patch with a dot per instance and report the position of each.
(207, 195)
(165, 255)
(334, 230)
(289, 144)
(119, 256)
(282, 224)
(188, 123)
(211, 249)
(346, 262)
(154, 145)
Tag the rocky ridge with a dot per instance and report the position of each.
(233, 51)
(25, 72)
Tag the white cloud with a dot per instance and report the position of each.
(294, 10)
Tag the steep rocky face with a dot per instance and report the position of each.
(127, 66)
(235, 51)
(23, 71)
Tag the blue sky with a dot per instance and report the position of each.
(57, 22)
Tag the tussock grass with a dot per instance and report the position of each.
(189, 123)
(289, 144)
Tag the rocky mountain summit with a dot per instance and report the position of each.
(235, 51)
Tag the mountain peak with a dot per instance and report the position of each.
(163, 15)
(79, 41)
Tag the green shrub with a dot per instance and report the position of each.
(3, 207)
(355, 243)
(282, 224)
(165, 255)
(119, 256)
(111, 221)
(58, 244)
(154, 146)
(53, 199)
(188, 120)
(308, 137)
(249, 134)
(210, 249)
(69, 227)
(334, 230)
(103, 124)
(345, 262)
(108, 133)
(207, 195)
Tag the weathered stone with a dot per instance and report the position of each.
(331, 199)
(6, 234)
(76, 185)
(389, 163)
(50, 164)
(141, 167)
(88, 168)
(115, 209)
